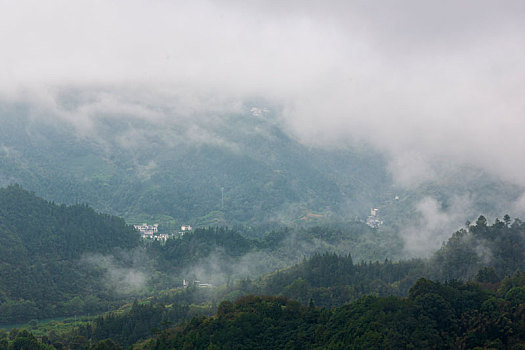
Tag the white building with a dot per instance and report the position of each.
(186, 284)
(147, 231)
(373, 220)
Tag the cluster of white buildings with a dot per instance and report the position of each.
(259, 112)
(186, 284)
(151, 232)
(373, 219)
(147, 230)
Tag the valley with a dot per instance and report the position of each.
(276, 218)
(129, 280)
(224, 174)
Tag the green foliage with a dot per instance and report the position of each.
(483, 253)
(169, 171)
(199, 244)
(221, 255)
(500, 246)
(435, 315)
(24, 340)
(41, 244)
(106, 344)
(126, 328)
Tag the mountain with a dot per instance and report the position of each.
(368, 293)
(484, 252)
(58, 260)
(433, 316)
(233, 169)
(42, 246)
(214, 169)
(42, 276)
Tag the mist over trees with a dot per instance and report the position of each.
(41, 272)
(435, 315)
(344, 166)
(65, 260)
(100, 260)
(83, 260)
(227, 169)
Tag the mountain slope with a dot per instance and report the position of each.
(217, 169)
(211, 170)
(41, 250)
(436, 316)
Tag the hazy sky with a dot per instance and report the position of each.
(430, 82)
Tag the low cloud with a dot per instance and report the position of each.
(428, 84)
(517, 208)
(218, 267)
(434, 224)
(124, 273)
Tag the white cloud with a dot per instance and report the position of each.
(425, 82)
(434, 224)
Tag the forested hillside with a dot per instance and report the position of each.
(434, 316)
(41, 246)
(500, 245)
(239, 169)
(329, 281)
(218, 255)
(61, 260)
(483, 252)
(262, 175)
(214, 171)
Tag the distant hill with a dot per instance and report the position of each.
(433, 316)
(489, 256)
(486, 253)
(58, 260)
(211, 170)
(41, 249)
(214, 170)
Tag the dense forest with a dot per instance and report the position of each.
(213, 171)
(262, 175)
(433, 316)
(219, 254)
(498, 250)
(83, 262)
(309, 271)
(41, 245)
(329, 280)
(170, 174)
